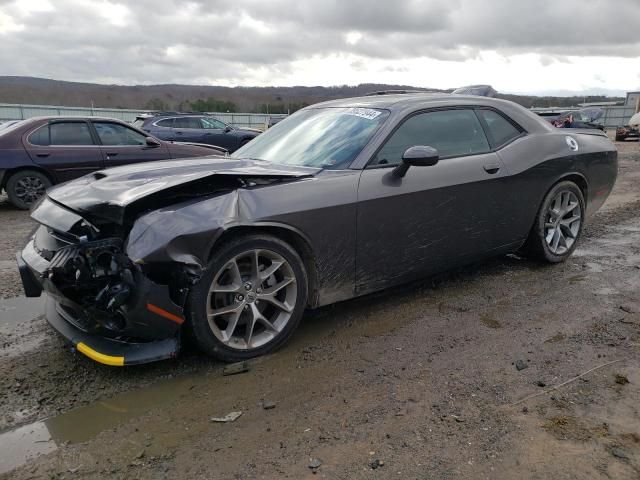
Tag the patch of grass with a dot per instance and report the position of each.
(621, 379)
(564, 427)
(577, 279)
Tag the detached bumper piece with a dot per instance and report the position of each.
(32, 288)
(105, 350)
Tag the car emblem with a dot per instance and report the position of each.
(573, 144)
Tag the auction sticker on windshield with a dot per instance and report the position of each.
(368, 113)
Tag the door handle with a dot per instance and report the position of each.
(42, 155)
(178, 133)
(112, 154)
(492, 168)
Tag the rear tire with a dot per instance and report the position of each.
(249, 300)
(25, 187)
(558, 224)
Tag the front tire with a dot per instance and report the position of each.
(250, 299)
(25, 187)
(558, 224)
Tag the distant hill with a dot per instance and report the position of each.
(40, 91)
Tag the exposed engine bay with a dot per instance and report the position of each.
(95, 275)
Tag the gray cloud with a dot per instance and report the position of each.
(159, 41)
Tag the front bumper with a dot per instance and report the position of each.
(105, 350)
(151, 321)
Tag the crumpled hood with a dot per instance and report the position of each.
(107, 193)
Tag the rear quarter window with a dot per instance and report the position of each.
(500, 130)
(40, 136)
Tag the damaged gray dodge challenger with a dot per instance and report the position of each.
(341, 199)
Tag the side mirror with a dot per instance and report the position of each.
(227, 129)
(152, 142)
(418, 156)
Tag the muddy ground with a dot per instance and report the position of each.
(419, 382)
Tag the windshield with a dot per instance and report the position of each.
(319, 137)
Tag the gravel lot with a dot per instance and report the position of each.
(424, 381)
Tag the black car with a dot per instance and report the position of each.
(585, 119)
(196, 128)
(338, 200)
(622, 133)
(39, 152)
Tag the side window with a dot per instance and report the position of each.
(116, 134)
(500, 130)
(186, 122)
(452, 132)
(70, 133)
(40, 136)
(167, 123)
(212, 123)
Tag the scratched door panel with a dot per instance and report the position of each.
(432, 219)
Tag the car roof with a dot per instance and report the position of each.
(177, 114)
(72, 117)
(405, 103)
(399, 101)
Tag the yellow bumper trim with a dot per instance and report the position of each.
(100, 357)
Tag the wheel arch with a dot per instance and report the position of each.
(576, 178)
(9, 172)
(286, 233)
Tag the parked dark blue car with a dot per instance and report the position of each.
(196, 128)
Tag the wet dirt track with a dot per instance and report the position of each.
(419, 382)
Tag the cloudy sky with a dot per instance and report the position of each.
(523, 46)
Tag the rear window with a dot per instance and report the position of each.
(10, 125)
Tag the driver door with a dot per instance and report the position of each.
(435, 217)
(215, 133)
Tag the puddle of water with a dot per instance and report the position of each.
(24, 443)
(17, 310)
(20, 445)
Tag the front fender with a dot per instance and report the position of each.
(181, 233)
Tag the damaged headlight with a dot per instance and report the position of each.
(93, 273)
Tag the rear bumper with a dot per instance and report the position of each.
(151, 329)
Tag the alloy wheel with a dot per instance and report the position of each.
(29, 189)
(562, 222)
(251, 299)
